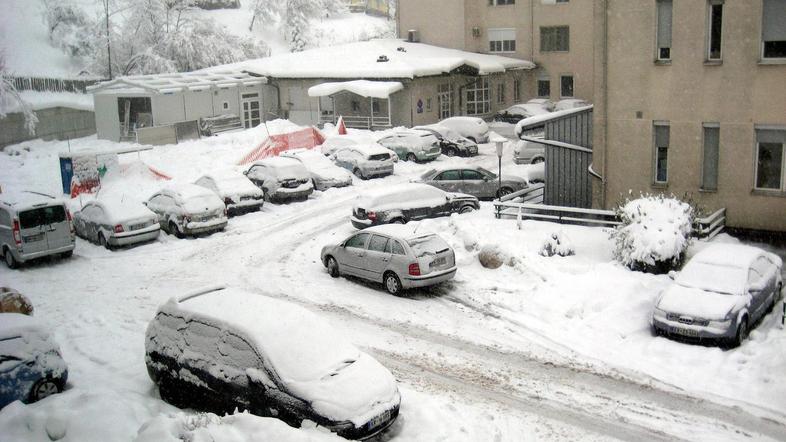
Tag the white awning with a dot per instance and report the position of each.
(364, 88)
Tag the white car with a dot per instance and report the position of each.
(116, 222)
(518, 112)
(239, 194)
(472, 128)
(324, 173)
(570, 103)
(528, 152)
(335, 142)
(545, 103)
(365, 161)
(188, 209)
(282, 179)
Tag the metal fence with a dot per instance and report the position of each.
(43, 84)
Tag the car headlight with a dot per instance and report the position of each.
(720, 324)
(341, 426)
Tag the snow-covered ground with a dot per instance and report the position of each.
(554, 348)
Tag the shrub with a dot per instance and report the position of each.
(557, 244)
(654, 234)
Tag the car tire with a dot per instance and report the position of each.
(504, 191)
(451, 152)
(537, 160)
(9, 259)
(392, 284)
(332, 267)
(411, 157)
(466, 209)
(742, 332)
(174, 230)
(172, 392)
(44, 388)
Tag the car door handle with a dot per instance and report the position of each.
(361, 254)
(385, 259)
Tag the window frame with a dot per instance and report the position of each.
(483, 87)
(711, 4)
(502, 2)
(501, 92)
(658, 48)
(555, 28)
(702, 184)
(548, 83)
(516, 90)
(763, 41)
(757, 147)
(573, 86)
(656, 150)
(502, 36)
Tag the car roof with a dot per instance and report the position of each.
(187, 190)
(16, 324)
(401, 231)
(731, 255)
(26, 199)
(278, 161)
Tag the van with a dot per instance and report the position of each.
(34, 225)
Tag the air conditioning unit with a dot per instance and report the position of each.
(476, 32)
(413, 36)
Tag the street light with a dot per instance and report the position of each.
(499, 141)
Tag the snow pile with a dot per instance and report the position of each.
(492, 256)
(241, 427)
(557, 243)
(654, 234)
(43, 100)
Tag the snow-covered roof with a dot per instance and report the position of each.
(176, 82)
(364, 88)
(379, 59)
(728, 255)
(539, 120)
(403, 231)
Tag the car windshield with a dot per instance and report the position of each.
(713, 277)
(428, 245)
(379, 157)
(486, 172)
(42, 216)
(428, 175)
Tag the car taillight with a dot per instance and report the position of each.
(17, 233)
(372, 216)
(118, 228)
(70, 221)
(228, 201)
(414, 269)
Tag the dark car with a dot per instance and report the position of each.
(450, 141)
(473, 180)
(408, 202)
(223, 349)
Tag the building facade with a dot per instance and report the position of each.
(557, 35)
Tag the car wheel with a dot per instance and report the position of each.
(174, 230)
(411, 157)
(44, 388)
(102, 241)
(451, 152)
(742, 332)
(538, 160)
(172, 392)
(466, 209)
(68, 254)
(392, 283)
(10, 261)
(504, 191)
(332, 267)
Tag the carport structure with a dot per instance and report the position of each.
(347, 99)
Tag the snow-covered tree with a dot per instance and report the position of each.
(10, 99)
(266, 12)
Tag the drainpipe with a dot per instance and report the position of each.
(605, 68)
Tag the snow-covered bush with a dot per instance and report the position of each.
(557, 243)
(654, 234)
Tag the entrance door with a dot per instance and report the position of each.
(252, 110)
(445, 99)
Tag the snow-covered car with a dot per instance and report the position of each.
(31, 367)
(545, 103)
(412, 145)
(239, 194)
(408, 202)
(365, 161)
(188, 209)
(518, 112)
(720, 294)
(473, 128)
(570, 103)
(528, 152)
(472, 180)
(224, 348)
(324, 173)
(116, 222)
(393, 255)
(336, 142)
(282, 179)
(450, 142)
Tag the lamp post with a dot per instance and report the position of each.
(499, 141)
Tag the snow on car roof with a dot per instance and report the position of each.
(16, 324)
(187, 191)
(729, 255)
(118, 209)
(368, 149)
(279, 162)
(403, 231)
(401, 196)
(25, 198)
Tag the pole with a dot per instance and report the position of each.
(499, 184)
(108, 48)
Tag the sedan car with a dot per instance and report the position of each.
(450, 141)
(31, 367)
(365, 161)
(528, 152)
(473, 180)
(472, 128)
(408, 202)
(282, 179)
(239, 194)
(332, 144)
(116, 222)
(188, 209)
(324, 173)
(223, 349)
(393, 255)
(720, 294)
(412, 145)
(518, 112)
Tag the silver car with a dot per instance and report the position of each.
(473, 180)
(188, 209)
(365, 161)
(413, 145)
(282, 179)
(394, 255)
(528, 152)
(114, 223)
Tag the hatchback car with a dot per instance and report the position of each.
(473, 180)
(413, 145)
(31, 367)
(450, 141)
(282, 179)
(324, 173)
(408, 202)
(528, 152)
(34, 225)
(722, 291)
(240, 195)
(518, 112)
(365, 161)
(188, 209)
(394, 255)
(473, 128)
(223, 348)
(114, 223)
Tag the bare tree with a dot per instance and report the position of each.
(10, 98)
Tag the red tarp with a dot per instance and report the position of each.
(273, 145)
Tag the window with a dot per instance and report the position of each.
(377, 243)
(471, 175)
(449, 175)
(566, 86)
(664, 30)
(374, 106)
(358, 241)
(774, 29)
(478, 98)
(502, 40)
(501, 2)
(355, 106)
(394, 247)
(709, 174)
(500, 92)
(544, 88)
(445, 99)
(714, 33)
(555, 39)
(770, 159)
(517, 90)
(428, 104)
(661, 153)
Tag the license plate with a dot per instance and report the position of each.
(379, 420)
(34, 238)
(685, 332)
(439, 262)
(137, 226)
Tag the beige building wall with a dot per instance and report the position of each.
(739, 93)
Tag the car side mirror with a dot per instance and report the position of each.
(756, 287)
(245, 172)
(145, 203)
(672, 274)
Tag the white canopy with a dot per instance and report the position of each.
(364, 88)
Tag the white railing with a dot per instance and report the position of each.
(357, 122)
(709, 226)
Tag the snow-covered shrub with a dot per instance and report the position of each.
(492, 256)
(654, 234)
(557, 243)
